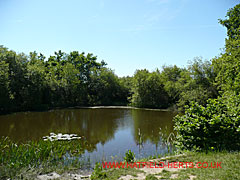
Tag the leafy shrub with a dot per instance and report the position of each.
(215, 126)
(98, 172)
(129, 156)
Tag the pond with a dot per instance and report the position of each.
(109, 132)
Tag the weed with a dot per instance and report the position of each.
(98, 173)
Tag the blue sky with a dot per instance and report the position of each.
(127, 34)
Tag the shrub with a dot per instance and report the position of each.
(215, 126)
(129, 156)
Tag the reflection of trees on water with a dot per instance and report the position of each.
(96, 125)
(152, 126)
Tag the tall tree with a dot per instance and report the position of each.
(232, 22)
(228, 63)
(148, 90)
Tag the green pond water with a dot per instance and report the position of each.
(109, 132)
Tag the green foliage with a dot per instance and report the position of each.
(232, 23)
(174, 86)
(36, 83)
(227, 64)
(129, 156)
(228, 67)
(4, 86)
(148, 90)
(170, 76)
(197, 83)
(215, 126)
(98, 173)
(106, 89)
(34, 154)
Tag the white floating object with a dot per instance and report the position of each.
(61, 137)
(75, 138)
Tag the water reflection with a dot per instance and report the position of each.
(108, 132)
(148, 125)
(152, 126)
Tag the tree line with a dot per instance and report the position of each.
(34, 82)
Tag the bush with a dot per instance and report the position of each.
(215, 126)
(129, 156)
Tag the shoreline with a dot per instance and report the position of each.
(116, 107)
(90, 107)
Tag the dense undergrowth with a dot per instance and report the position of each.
(215, 126)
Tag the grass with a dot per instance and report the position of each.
(115, 174)
(44, 156)
(230, 163)
(151, 177)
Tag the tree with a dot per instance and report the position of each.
(170, 76)
(105, 88)
(36, 82)
(16, 75)
(232, 23)
(197, 83)
(216, 125)
(4, 86)
(148, 90)
(228, 63)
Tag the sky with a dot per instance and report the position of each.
(127, 34)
